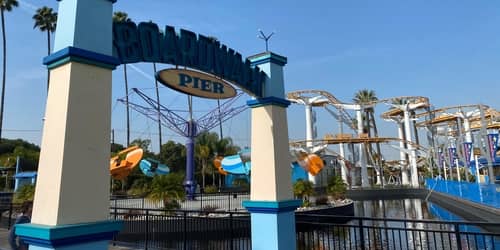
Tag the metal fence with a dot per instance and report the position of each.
(161, 229)
(381, 233)
(229, 201)
(181, 229)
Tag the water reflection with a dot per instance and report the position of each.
(394, 209)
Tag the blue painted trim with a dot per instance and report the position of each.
(43, 235)
(68, 241)
(271, 207)
(88, 56)
(267, 57)
(271, 100)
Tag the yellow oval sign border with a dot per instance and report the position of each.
(197, 85)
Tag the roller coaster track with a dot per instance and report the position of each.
(333, 141)
(342, 107)
(332, 100)
(447, 115)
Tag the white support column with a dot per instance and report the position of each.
(343, 168)
(444, 170)
(413, 157)
(468, 132)
(362, 158)
(476, 159)
(309, 135)
(402, 155)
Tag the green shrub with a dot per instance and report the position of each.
(336, 187)
(241, 182)
(211, 189)
(321, 200)
(302, 189)
(24, 193)
(169, 189)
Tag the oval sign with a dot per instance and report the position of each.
(196, 83)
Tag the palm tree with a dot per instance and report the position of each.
(366, 96)
(45, 19)
(204, 148)
(168, 189)
(5, 5)
(120, 16)
(223, 147)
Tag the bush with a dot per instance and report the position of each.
(24, 193)
(321, 200)
(303, 189)
(171, 204)
(241, 183)
(336, 187)
(169, 189)
(211, 189)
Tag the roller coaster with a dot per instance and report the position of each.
(446, 128)
(401, 107)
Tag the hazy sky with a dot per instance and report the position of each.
(446, 50)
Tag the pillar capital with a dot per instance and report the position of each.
(272, 64)
(85, 24)
(268, 101)
(267, 57)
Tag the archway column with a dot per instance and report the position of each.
(272, 206)
(71, 207)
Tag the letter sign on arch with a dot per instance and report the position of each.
(196, 83)
(145, 43)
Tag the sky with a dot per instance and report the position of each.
(448, 51)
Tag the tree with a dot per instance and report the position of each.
(204, 150)
(302, 189)
(168, 189)
(223, 147)
(336, 187)
(120, 16)
(173, 154)
(45, 19)
(24, 193)
(5, 5)
(364, 97)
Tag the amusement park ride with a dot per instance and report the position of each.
(446, 128)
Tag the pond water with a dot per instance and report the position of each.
(395, 209)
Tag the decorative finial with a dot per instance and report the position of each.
(265, 38)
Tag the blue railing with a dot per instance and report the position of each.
(485, 194)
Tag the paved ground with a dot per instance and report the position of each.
(4, 244)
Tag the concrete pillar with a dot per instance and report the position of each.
(71, 207)
(362, 158)
(413, 156)
(309, 135)
(272, 205)
(343, 168)
(402, 155)
(468, 132)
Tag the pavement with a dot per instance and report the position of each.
(4, 243)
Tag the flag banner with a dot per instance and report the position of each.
(467, 152)
(493, 144)
(441, 159)
(452, 153)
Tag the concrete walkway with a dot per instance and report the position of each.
(4, 243)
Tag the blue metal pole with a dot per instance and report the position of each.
(190, 183)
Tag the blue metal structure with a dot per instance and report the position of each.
(189, 128)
